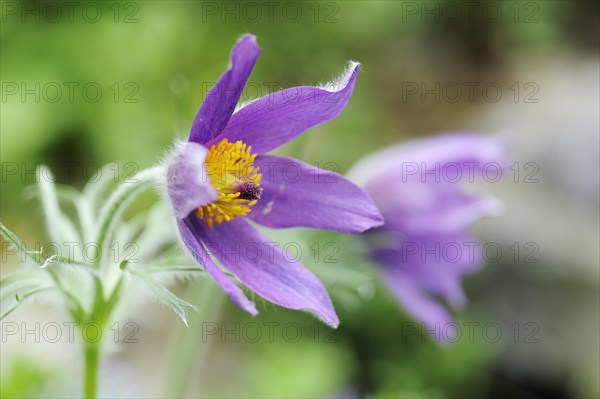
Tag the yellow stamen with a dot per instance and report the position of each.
(230, 168)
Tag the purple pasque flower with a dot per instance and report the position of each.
(222, 179)
(425, 247)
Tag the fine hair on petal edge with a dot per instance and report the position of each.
(342, 80)
(164, 161)
(331, 86)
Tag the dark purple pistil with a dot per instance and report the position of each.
(249, 191)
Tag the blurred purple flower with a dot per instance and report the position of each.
(425, 247)
(221, 177)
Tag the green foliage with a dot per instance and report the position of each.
(26, 377)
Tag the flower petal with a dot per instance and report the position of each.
(297, 194)
(431, 208)
(219, 104)
(196, 249)
(421, 306)
(425, 159)
(275, 119)
(188, 185)
(265, 268)
(435, 263)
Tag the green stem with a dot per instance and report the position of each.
(92, 360)
(189, 351)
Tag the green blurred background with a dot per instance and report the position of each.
(154, 62)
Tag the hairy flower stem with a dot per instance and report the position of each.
(190, 352)
(102, 306)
